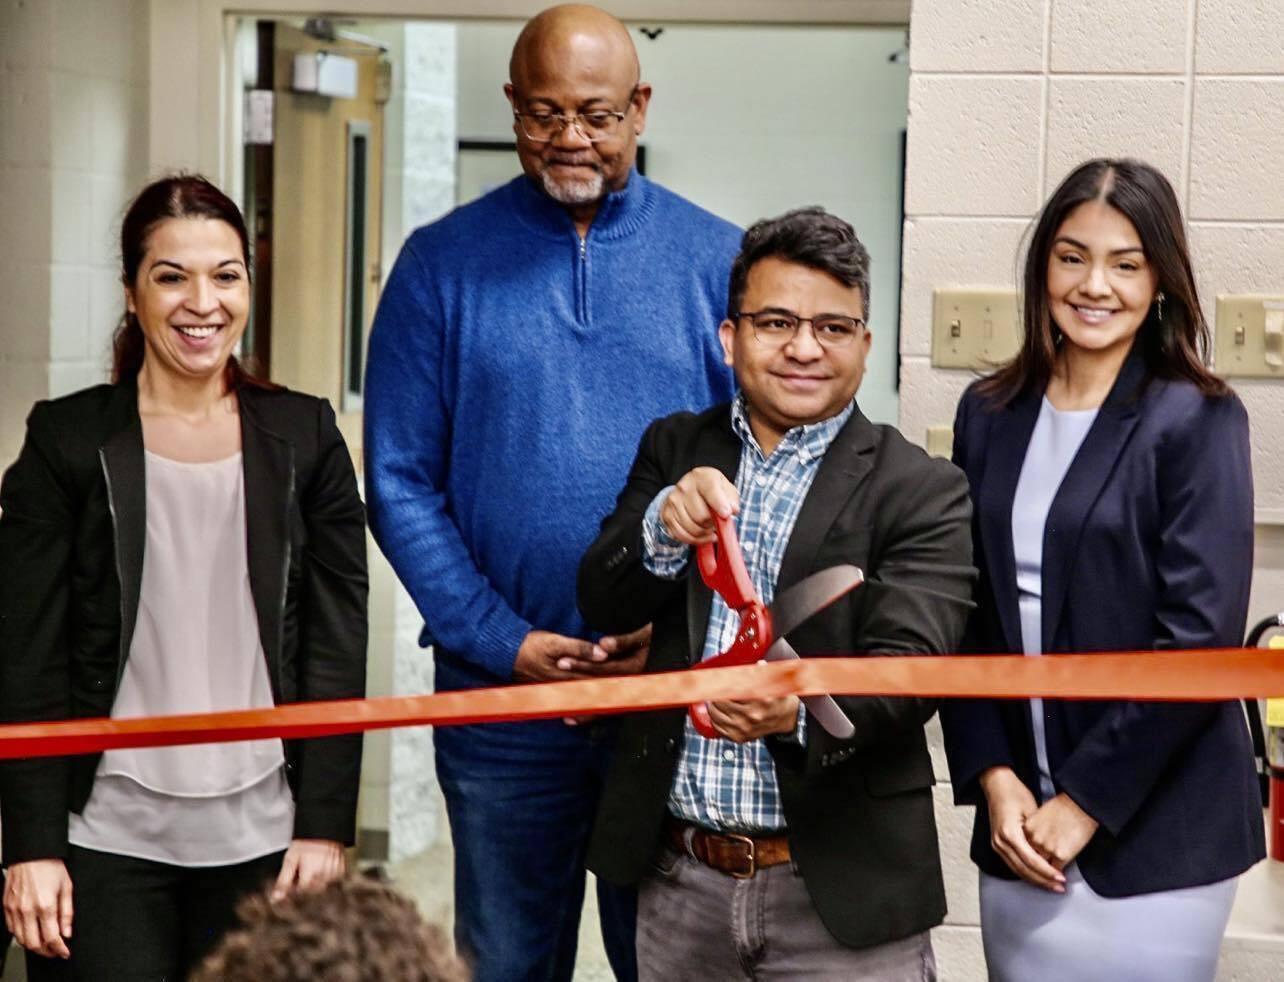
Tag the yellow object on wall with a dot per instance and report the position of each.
(1275, 707)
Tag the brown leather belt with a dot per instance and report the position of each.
(737, 855)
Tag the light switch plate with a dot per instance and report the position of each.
(940, 441)
(1250, 336)
(974, 328)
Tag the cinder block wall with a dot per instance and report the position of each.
(73, 144)
(1006, 97)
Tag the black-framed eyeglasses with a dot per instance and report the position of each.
(595, 126)
(776, 328)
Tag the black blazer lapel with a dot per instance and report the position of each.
(1005, 449)
(844, 466)
(1088, 473)
(124, 471)
(268, 463)
(715, 446)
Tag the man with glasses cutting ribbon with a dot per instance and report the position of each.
(769, 838)
(521, 346)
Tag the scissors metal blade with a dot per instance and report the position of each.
(826, 711)
(809, 596)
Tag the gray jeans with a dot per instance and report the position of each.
(699, 924)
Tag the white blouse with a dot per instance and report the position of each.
(1058, 435)
(196, 648)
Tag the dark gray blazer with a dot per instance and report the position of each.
(859, 812)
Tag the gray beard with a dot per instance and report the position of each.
(573, 192)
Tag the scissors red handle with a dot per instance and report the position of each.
(722, 567)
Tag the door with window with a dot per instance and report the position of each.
(324, 227)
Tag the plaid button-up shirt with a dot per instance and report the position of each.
(720, 784)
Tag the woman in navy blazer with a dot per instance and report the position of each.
(1111, 480)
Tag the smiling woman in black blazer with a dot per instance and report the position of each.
(186, 539)
(1113, 498)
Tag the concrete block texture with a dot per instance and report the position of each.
(936, 747)
(973, 146)
(961, 35)
(25, 136)
(429, 133)
(954, 830)
(72, 106)
(1262, 399)
(24, 321)
(959, 957)
(942, 252)
(106, 38)
(106, 307)
(26, 40)
(119, 130)
(68, 376)
(22, 383)
(70, 226)
(1237, 149)
(1239, 37)
(109, 196)
(26, 195)
(1115, 118)
(1248, 259)
(1267, 596)
(68, 312)
(1236, 259)
(415, 799)
(929, 396)
(1143, 36)
(430, 57)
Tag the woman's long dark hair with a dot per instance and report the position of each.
(177, 196)
(1175, 345)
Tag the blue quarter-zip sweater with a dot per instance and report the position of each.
(512, 370)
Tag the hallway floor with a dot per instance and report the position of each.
(429, 878)
(1253, 950)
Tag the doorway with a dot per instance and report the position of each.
(313, 195)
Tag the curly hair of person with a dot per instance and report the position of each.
(355, 929)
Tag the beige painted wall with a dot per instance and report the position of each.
(1006, 96)
(73, 141)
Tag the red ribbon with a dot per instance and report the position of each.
(1224, 673)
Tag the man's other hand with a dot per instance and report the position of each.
(688, 513)
(548, 657)
(742, 720)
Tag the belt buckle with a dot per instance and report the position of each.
(751, 855)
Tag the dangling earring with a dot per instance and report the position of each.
(1159, 302)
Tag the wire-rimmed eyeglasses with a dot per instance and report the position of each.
(594, 126)
(776, 328)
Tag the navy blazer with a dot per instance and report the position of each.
(1148, 544)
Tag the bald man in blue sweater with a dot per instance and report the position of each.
(521, 347)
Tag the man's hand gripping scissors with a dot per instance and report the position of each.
(762, 630)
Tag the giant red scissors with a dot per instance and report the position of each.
(762, 630)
